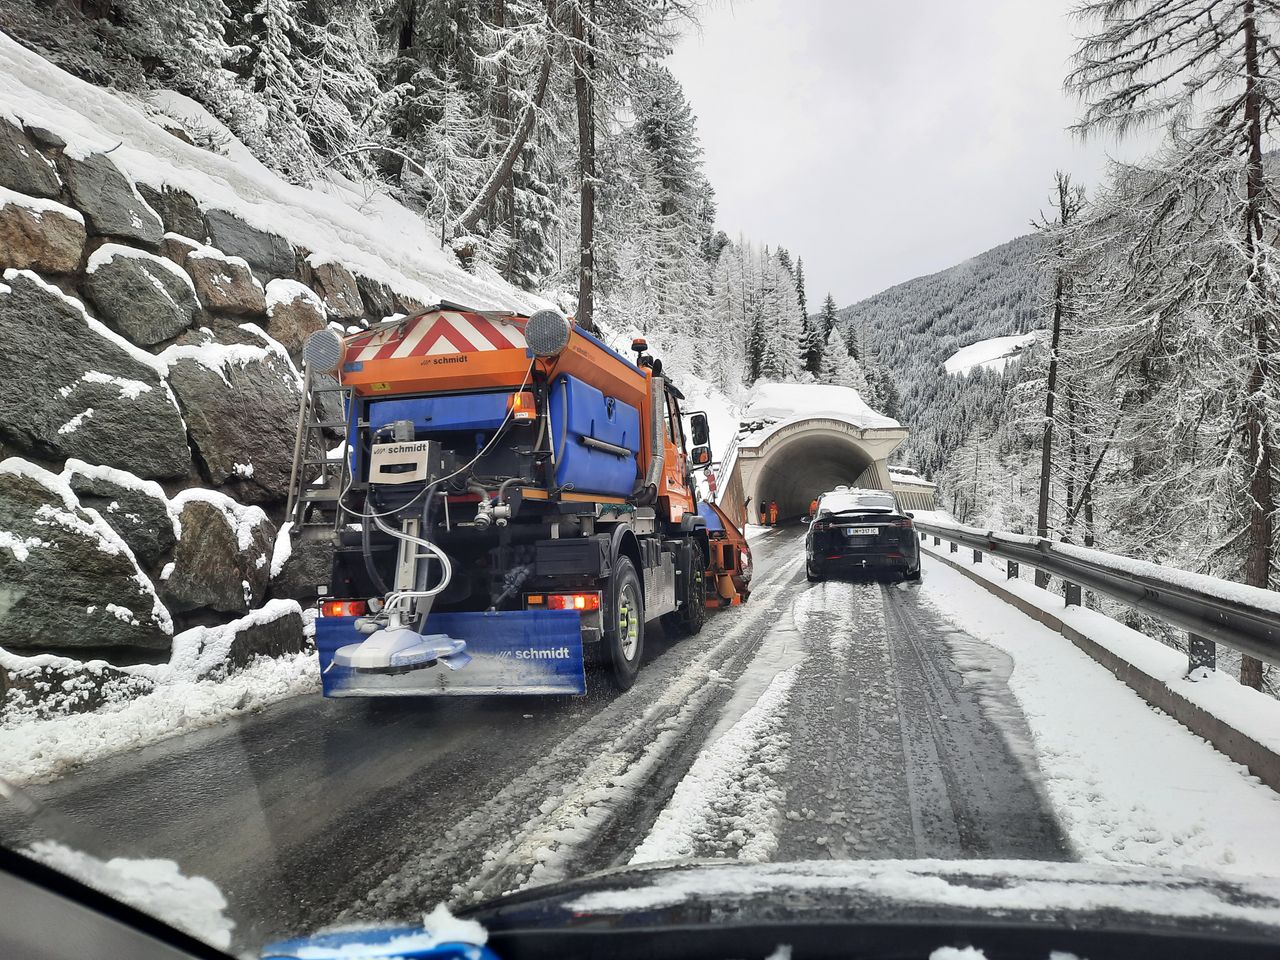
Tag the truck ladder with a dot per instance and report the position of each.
(317, 481)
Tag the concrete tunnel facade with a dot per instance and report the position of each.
(797, 461)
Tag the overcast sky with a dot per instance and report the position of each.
(879, 146)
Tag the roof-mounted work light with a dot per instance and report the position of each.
(547, 333)
(322, 351)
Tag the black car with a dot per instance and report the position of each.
(861, 532)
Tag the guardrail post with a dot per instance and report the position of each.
(1011, 570)
(977, 555)
(1072, 591)
(1201, 653)
(955, 547)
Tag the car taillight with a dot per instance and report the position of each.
(343, 608)
(572, 601)
(522, 406)
(904, 522)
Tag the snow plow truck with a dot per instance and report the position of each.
(511, 503)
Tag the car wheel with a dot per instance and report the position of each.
(624, 624)
(913, 576)
(688, 620)
(812, 575)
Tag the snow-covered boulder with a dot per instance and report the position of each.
(111, 205)
(147, 298)
(301, 567)
(222, 560)
(178, 210)
(39, 234)
(43, 686)
(337, 287)
(136, 509)
(294, 312)
(268, 254)
(67, 579)
(73, 388)
(23, 167)
(225, 283)
(379, 299)
(241, 405)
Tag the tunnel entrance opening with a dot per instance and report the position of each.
(798, 470)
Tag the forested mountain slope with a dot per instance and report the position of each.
(913, 327)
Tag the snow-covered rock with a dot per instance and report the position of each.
(39, 234)
(294, 312)
(267, 253)
(73, 388)
(107, 198)
(302, 568)
(147, 298)
(136, 509)
(177, 209)
(225, 283)
(222, 559)
(23, 167)
(67, 579)
(43, 686)
(337, 287)
(241, 405)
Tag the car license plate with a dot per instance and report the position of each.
(861, 531)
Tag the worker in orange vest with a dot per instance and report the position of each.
(764, 515)
(813, 507)
(773, 513)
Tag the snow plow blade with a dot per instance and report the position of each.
(510, 652)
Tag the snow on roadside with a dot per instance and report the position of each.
(1128, 783)
(157, 887)
(729, 797)
(43, 750)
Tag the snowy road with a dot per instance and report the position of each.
(816, 721)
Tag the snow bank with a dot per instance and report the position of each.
(995, 353)
(44, 750)
(157, 887)
(1129, 784)
(334, 219)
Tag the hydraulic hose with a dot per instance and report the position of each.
(370, 567)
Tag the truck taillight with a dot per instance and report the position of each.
(522, 406)
(573, 601)
(343, 608)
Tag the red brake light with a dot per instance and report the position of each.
(573, 601)
(522, 406)
(343, 608)
(904, 522)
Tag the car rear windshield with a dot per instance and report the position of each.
(845, 502)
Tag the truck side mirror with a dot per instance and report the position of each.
(701, 456)
(698, 429)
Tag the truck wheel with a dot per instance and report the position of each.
(624, 624)
(687, 621)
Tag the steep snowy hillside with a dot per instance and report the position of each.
(914, 327)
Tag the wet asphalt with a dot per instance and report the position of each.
(900, 739)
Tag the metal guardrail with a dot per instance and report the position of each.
(1250, 627)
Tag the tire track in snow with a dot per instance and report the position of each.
(540, 826)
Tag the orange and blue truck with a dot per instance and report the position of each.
(511, 505)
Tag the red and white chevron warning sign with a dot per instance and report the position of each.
(444, 331)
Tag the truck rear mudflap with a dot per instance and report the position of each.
(506, 652)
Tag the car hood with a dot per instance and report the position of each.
(1105, 896)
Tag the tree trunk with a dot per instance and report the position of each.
(1051, 393)
(583, 77)
(501, 175)
(1258, 545)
